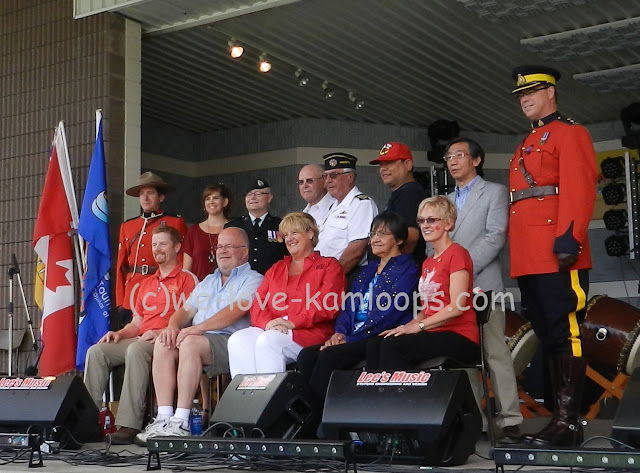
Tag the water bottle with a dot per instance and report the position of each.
(195, 420)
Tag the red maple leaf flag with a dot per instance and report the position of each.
(53, 244)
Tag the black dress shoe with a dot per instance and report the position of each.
(510, 435)
(124, 436)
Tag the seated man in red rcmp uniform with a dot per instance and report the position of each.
(135, 259)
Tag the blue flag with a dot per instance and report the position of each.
(94, 228)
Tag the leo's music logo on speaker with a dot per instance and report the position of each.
(25, 383)
(397, 378)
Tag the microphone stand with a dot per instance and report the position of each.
(14, 270)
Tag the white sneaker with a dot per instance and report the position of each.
(150, 430)
(174, 428)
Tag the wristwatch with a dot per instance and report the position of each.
(421, 325)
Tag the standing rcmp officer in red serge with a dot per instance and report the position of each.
(552, 179)
(135, 258)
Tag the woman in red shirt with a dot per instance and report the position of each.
(446, 324)
(201, 240)
(294, 307)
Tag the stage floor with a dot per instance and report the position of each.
(94, 458)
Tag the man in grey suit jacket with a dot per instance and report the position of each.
(481, 227)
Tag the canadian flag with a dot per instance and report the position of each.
(53, 244)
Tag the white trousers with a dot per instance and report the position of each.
(253, 350)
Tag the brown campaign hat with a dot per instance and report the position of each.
(149, 179)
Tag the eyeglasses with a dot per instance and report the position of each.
(309, 180)
(428, 220)
(457, 155)
(380, 233)
(229, 247)
(257, 193)
(334, 175)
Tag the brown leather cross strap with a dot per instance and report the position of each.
(534, 191)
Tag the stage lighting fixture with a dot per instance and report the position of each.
(614, 193)
(328, 91)
(264, 65)
(617, 245)
(302, 79)
(235, 49)
(612, 168)
(357, 103)
(615, 219)
(440, 133)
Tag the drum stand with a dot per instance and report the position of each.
(613, 388)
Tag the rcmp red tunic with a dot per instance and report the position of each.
(135, 241)
(560, 153)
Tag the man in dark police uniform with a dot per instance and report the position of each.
(135, 257)
(552, 183)
(266, 245)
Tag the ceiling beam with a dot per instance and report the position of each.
(216, 16)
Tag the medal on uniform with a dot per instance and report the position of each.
(528, 150)
(544, 138)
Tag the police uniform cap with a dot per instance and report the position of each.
(530, 76)
(257, 184)
(339, 160)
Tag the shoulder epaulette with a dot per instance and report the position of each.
(567, 120)
(362, 197)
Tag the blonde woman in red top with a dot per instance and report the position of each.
(446, 324)
(295, 306)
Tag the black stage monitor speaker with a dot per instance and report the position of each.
(426, 417)
(277, 405)
(626, 424)
(42, 404)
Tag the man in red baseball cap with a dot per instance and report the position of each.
(396, 171)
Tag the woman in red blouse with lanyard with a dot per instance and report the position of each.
(446, 324)
(199, 246)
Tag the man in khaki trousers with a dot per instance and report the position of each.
(156, 298)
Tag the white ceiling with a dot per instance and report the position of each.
(411, 61)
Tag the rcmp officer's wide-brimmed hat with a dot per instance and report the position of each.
(530, 76)
(339, 160)
(393, 151)
(149, 179)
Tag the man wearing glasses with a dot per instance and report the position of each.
(396, 171)
(311, 187)
(481, 228)
(345, 232)
(266, 245)
(552, 183)
(196, 335)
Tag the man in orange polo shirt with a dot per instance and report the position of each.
(156, 298)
